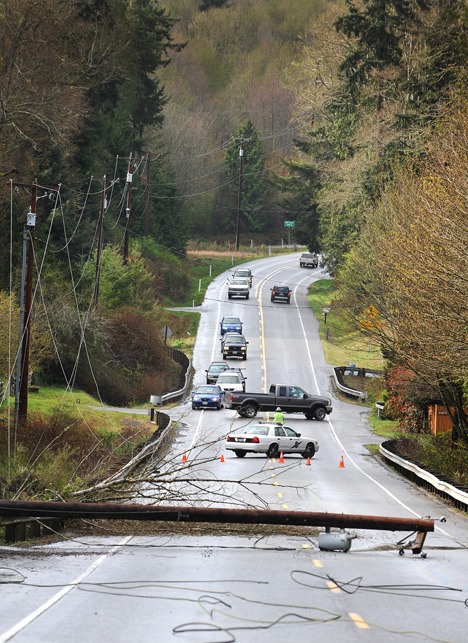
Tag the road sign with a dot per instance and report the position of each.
(289, 224)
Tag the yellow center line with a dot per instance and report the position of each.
(358, 621)
(280, 495)
(317, 563)
(333, 587)
(285, 506)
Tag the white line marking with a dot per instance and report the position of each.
(6, 636)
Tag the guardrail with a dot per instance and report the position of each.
(351, 369)
(182, 359)
(446, 490)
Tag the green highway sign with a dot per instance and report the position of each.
(289, 224)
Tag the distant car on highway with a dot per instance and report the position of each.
(245, 273)
(238, 287)
(231, 325)
(234, 345)
(308, 260)
(213, 370)
(281, 293)
(271, 439)
(207, 396)
(231, 380)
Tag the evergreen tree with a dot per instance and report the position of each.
(254, 183)
(299, 203)
(131, 98)
(377, 28)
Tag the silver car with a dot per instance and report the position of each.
(271, 439)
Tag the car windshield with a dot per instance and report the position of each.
(238, 281)
(230, 379)
(217, 368)
(211, 390)
(235, 339)
(231, 320)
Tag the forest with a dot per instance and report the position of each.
(121, 125)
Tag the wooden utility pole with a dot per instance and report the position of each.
(99, 246)
(239, 194)
(22, 386)
(30, 231)
(147, 196)
(127, 210)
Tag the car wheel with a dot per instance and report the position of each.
(273, 450)
(240, 454)
(244, 357)
(194, 408)
(249, 410)
(247, 296)
(309, 451)
(288, 301)
(309, 415)
(229, 296)
(320, 413)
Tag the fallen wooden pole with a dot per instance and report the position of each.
(111, 511)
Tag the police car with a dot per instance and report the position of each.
(270, 439)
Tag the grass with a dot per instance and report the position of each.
(341, 345)
(51, 397)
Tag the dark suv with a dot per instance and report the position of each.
(234, 345)
(281, 293)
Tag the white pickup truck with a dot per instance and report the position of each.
(308, 260)
(238, 287)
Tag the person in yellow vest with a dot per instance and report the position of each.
(278, 416)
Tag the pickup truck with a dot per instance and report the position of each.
(238, 287)
(291, 399)
(308, 260)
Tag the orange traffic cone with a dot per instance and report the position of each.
(281, 459)
(184, 457)
(222, 458)
(308, 461)
(341, 465)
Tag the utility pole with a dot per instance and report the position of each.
(147, 196)
(24, 339)
(127, 210)
(102, 210)
(239, 194)
(29, 232)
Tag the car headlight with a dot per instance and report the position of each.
(243, 348)
(196, 398)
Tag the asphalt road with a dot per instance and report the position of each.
(205, 587)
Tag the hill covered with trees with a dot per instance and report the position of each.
(123, 122)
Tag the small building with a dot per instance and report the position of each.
(438, 418)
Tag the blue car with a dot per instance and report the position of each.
(231, 325)
(208, 396)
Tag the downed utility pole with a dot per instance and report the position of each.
(109, 511)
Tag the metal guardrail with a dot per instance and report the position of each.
(337, 373)
(457, 496)
(340, 371)
(183, 360)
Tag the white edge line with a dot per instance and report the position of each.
(6, 636)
